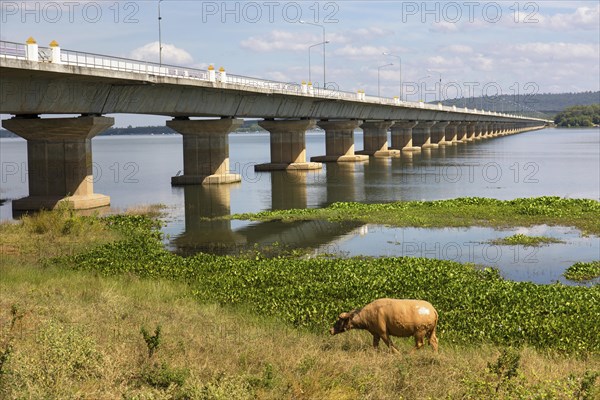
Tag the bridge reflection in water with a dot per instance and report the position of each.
(206, 232)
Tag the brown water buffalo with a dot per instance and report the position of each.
(392, 317)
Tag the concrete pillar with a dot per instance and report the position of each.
(288, 145)
(480, 130)
(452, 133)
(375, 139)
(471, 131)
(402, 136)
(422, 135)
(205, 150)
(339, 142)
(500, 129)
(462, 132)
(59, 160)
(438, 133)
(485, 133)
(493, 130)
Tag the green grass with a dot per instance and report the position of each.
(583, 271)
(79, 337)
(583, 214)
(245, 328)
(524, 240)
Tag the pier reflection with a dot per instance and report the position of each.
(380, 180)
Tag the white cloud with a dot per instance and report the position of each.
(361, 51)
(585, 18)
(545, 52)
(444, 26)
(279, 40)
(459, 49)
(170, 54)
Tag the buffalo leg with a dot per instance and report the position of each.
(376, 341)
(419, 336)
(433, 341)
(388, 341)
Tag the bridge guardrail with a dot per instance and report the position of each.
(12, 50)
(77, 58)
(83, 59)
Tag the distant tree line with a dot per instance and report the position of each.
(579, 116)
(528, 104)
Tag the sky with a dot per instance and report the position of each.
(474, 48)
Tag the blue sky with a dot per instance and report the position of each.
(475, 46)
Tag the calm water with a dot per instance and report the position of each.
(137, 170)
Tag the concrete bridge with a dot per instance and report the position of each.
(38, 80)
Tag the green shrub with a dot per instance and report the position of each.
(162, 376)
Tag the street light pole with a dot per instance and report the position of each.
(378, 78)
(160, 48)
(400, 79)
(309, 66)
(323, 43)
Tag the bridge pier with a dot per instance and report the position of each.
(487, 133)
(59, 161)
(205, 151)
(452, 133)
(480, 128)
(375, 139)
(494, 130)
(471, 131)
(438, 133)
(422, 135)
(288, 145)
(402, 136)
(339, 142)
(462, 132)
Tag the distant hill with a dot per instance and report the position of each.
(544, 104)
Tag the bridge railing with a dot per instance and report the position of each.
(80, 59)
(12, 50)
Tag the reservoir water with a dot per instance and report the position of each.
(136, 170)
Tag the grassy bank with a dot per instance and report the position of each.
(237, 328)
(583, 214)
(80, 338)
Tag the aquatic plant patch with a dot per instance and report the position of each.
(583, 271)
(524, 240)
(475, 305)
(583, 214)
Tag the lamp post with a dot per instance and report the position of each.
(160, 48)
(440, 88)
(309, 67)
(400, 77)
(378, 78)
(324, 42)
